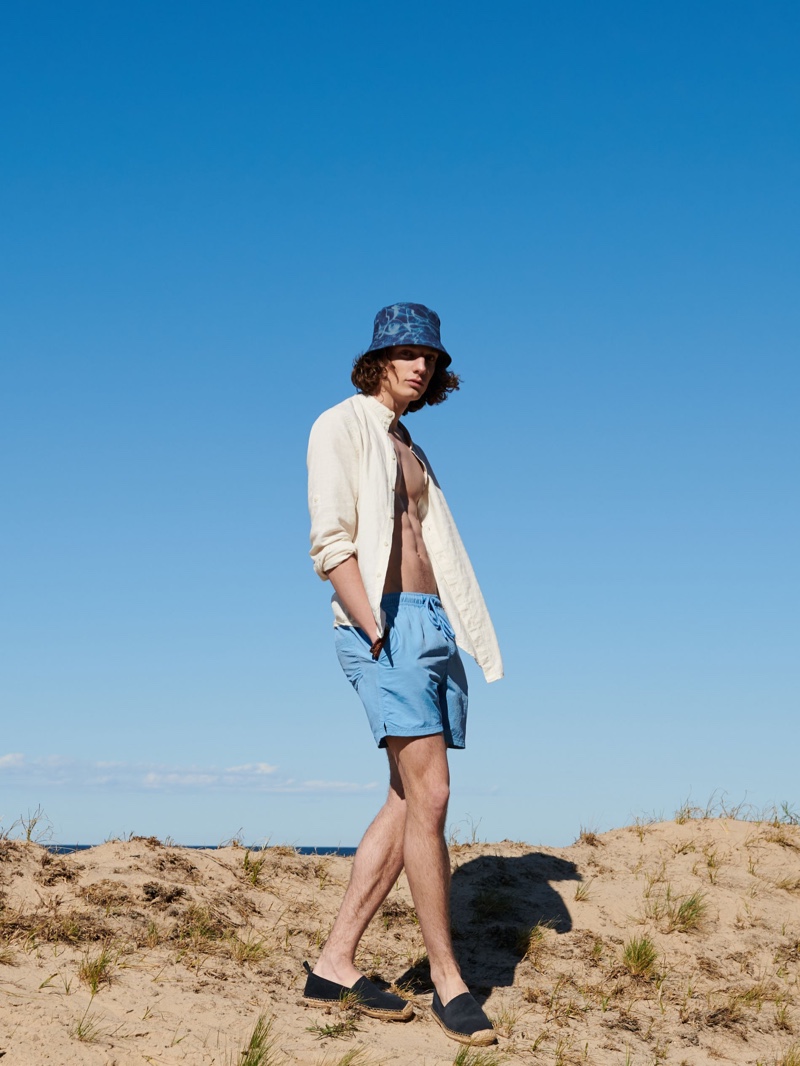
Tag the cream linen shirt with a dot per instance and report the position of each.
(352, 473)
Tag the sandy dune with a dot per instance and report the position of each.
(185, 949)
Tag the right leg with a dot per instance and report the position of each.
(422, 763)
(376, 867)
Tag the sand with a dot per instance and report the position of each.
(137, 952)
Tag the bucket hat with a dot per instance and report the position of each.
(407, 324)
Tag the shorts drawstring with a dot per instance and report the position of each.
(440, 619)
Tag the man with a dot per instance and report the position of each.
(405, 597)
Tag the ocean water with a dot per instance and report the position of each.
(68, 849)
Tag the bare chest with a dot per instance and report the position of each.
(411, 475)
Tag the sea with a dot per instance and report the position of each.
(69, 849)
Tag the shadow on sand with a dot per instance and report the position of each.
(495, 901)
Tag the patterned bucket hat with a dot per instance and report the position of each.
(407, 324)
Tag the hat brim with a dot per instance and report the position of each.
(413, 344)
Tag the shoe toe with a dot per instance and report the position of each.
(464, 1020)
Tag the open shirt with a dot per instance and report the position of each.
(352, 474)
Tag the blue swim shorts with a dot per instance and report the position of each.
(417, 686)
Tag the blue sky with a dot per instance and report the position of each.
(204, 207)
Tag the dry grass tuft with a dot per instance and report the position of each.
(199, 928)
(588, 836)
(259, 1049)
(8, 848)
(51, 924)
(782, 1018)
(356, 1056)
(95, 970)
(247, 950)
(162, 895)
(729, 1016)
(688, 913)
(787, 836)
(505, 1020)
(582, 890)
(490, 905)
(86, 1029)
(403, 990)
(684, 914)
(788, 952)
(639, 957)
(790, 1057)
(173, 862)
(397, 912)
(251, 867)
(109, 894)
(52, 870)
(530, 942)
(346, 1027)
(468, 1056)
(763, 991)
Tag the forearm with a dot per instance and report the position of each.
(346, 580)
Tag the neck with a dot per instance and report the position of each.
(394, 406)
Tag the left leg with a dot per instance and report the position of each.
(376, 867)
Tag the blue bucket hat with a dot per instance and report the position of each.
(407, 324)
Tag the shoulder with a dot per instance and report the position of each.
(340, 418)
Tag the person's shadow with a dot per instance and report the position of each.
(500, 906)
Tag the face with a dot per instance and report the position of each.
(409, 370)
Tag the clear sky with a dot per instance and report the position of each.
(203, 207)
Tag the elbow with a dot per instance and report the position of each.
(330, 556)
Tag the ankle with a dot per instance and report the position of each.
(337, 968)
(445, 977)
(334, 959)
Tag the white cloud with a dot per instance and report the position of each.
(252, 768)
(336, 786)
(106, 776)
(181, 780)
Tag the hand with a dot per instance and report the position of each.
(377, 645)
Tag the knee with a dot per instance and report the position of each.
(431, 803)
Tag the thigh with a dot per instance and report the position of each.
(421, 763)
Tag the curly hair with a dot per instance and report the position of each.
(369, 370)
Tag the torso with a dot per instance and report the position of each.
(410, 567)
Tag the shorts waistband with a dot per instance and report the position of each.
(409, 599)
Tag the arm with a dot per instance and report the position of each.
(346, 580)
(332, 491)
(333, 451)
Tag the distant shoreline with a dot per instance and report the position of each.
(69, 849)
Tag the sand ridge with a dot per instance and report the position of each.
(673, 942)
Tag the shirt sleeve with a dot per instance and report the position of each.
(332, 491)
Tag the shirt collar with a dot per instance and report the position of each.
(379, 410)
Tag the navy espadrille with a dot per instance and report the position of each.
(364, 996)
(463, 1020)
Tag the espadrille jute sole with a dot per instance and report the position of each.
(482, 1038)
(404, 1015)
